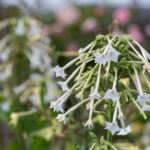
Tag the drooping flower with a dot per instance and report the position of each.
(112, 93)
(59, 71)
(62, 118)
(142, 99)
(64, 86)
(125, 130)
(112, 127)
(57, 106)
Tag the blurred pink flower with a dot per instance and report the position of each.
(147, 30)
(99, 10)
(90, 25)
(72, 47)
(122, 15)
(55, 29)
(135, 32)
(68, 15)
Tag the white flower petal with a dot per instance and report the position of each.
(57, 107)
(112, 127)
(61, 118)
(64, 86)
(111, 94)
(59, 71)
(124, 131)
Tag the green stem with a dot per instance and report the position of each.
(109, 135)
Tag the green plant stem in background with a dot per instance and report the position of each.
(109, 135)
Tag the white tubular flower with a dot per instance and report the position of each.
(146, 56)
(20, 28)
(112, 127)
(64, 85)
(89, 122)
(113, 54)
(124, 131)
(142, 98)
(112, 93)
(57, 107)
(59, 71)
(101, 58)
(95, 94)
(61, 118)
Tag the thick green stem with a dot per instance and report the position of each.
(109, 135)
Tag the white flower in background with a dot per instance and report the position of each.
(5, 72)
(20, 28)
(112, 127)
(124, 131)
(62, 118)
(57, 106)
(59, 71)
(4, 55)
(5, 106)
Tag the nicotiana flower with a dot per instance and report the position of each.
(91, 81)
(124, 131)
(62, 118)
(57, 106)
(112, 127)
(112, 93)
(59, 71)
(101, 58)
(113, 55)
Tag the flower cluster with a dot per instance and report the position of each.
(100, 66)
(26, 46)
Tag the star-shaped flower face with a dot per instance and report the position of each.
(62, 118)
(143, 99)
(111, 94)
(124, 131)
(113, 54)
(64, 86)
(57, 107)
(59, 71)
(95, 95)
(101, 58)
(112, 127)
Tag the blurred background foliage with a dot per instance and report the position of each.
(33, 38)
